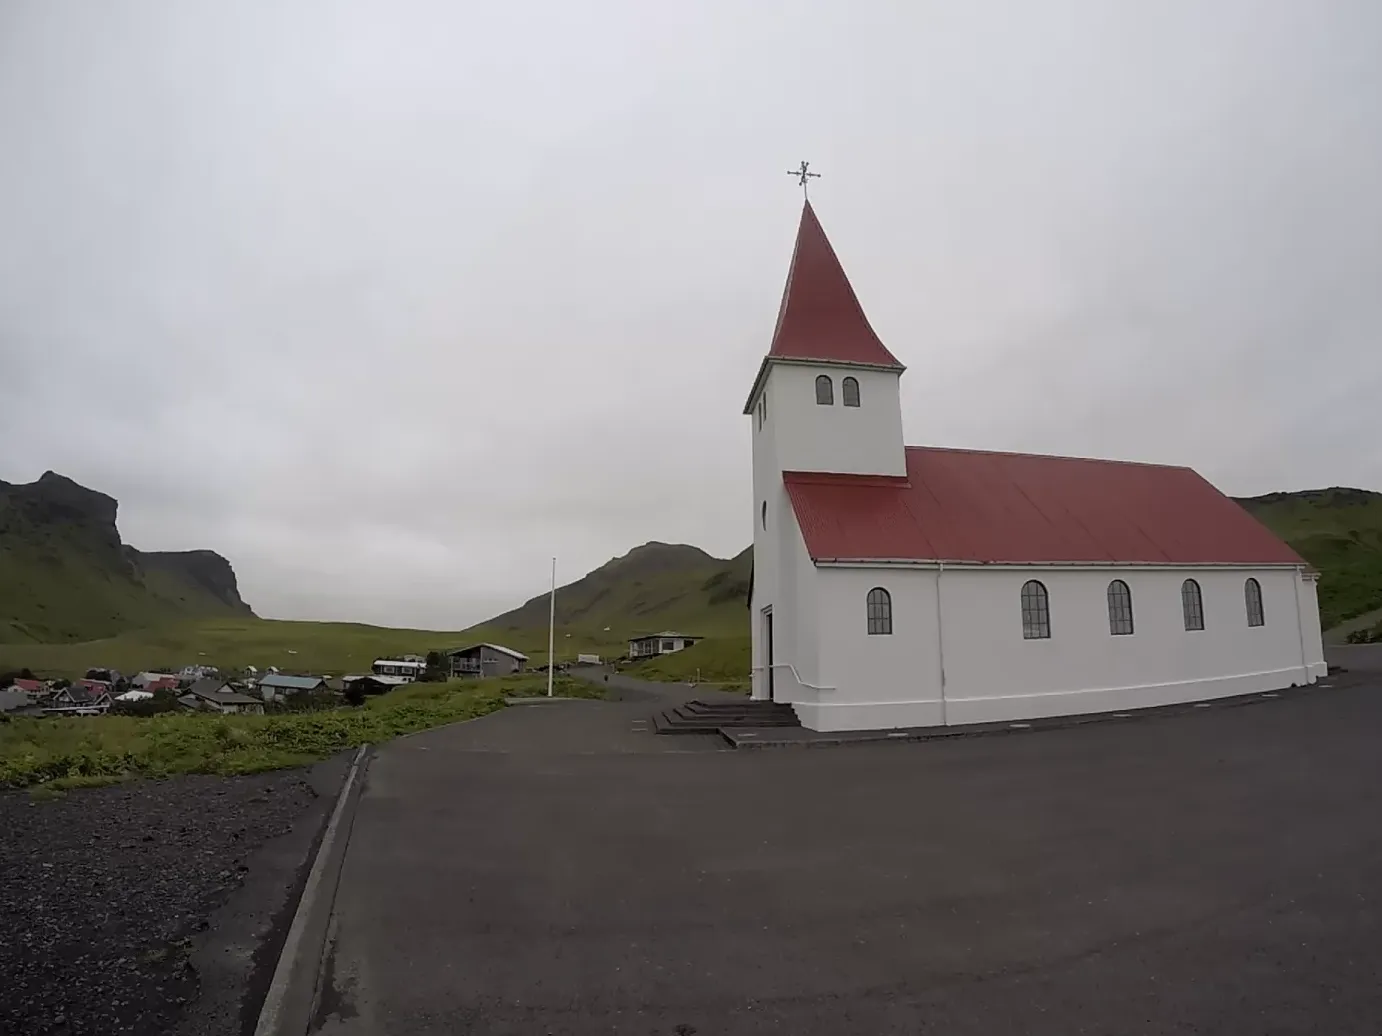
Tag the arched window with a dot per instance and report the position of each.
(880, 607)
(849, 389)
(1036, 616)
(1252, 597)
(1119, 608)
(1192, 605)
(825, 391)
(764, 513)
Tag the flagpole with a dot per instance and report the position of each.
(552, 630)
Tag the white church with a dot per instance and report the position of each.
(909, 586)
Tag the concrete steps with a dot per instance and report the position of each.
(699, 717)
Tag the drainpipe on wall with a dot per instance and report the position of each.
(1300, 628)
(940, 639)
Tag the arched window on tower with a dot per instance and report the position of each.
(1192, 605)
(825, 391)
(1252, 597)
(1119, 609)
(849, 389)
(880, 611)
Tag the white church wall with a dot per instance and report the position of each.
(866, 439)
(993, 673)
(877, 680)
(796, 651)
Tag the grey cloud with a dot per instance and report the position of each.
(390, 302)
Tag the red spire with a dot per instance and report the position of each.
(821, 318)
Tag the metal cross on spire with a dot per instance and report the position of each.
(803, 176)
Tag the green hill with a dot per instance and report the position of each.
(65, 575)
(1339, 531)
(653, 587)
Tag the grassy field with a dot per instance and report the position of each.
(718, 660)
(66, 752)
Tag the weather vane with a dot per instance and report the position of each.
(803, 176)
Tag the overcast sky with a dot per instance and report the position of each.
(390, 301)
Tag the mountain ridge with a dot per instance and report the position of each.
(66, 574)
(654, 586)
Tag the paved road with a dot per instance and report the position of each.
(552, 870)
(1357, 658)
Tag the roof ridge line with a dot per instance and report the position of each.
(1051, 456)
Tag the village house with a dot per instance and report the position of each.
(97, 686)
(370, 684)
(81, 699)
(408, 668)
(664, 643)
(485, 660)
(14, 702)
(278, 684)
(154, 682)
(212, 694)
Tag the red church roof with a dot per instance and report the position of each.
(820, 317)
(1017, 508)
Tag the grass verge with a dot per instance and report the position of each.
(721, 661)
(71, 752)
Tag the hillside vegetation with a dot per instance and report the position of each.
(717, 660)
(653, 587)
(65, 575)
(1339, 531)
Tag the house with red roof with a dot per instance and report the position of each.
(901, 586)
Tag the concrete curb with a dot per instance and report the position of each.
(292, 995)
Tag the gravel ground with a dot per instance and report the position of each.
(103, 892)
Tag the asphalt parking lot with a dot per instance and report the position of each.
(556, 869)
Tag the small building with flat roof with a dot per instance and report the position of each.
(664, 643)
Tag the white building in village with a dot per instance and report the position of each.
(900, 586)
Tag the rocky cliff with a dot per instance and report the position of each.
(65, 573)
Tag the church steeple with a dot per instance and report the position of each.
(828, 393)
(820, 317)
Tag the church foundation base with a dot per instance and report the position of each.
(842, 715)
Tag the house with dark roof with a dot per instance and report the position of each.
(902, 586)
(211, 694)
(85, 698)
(276, 685)
(485, 660)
